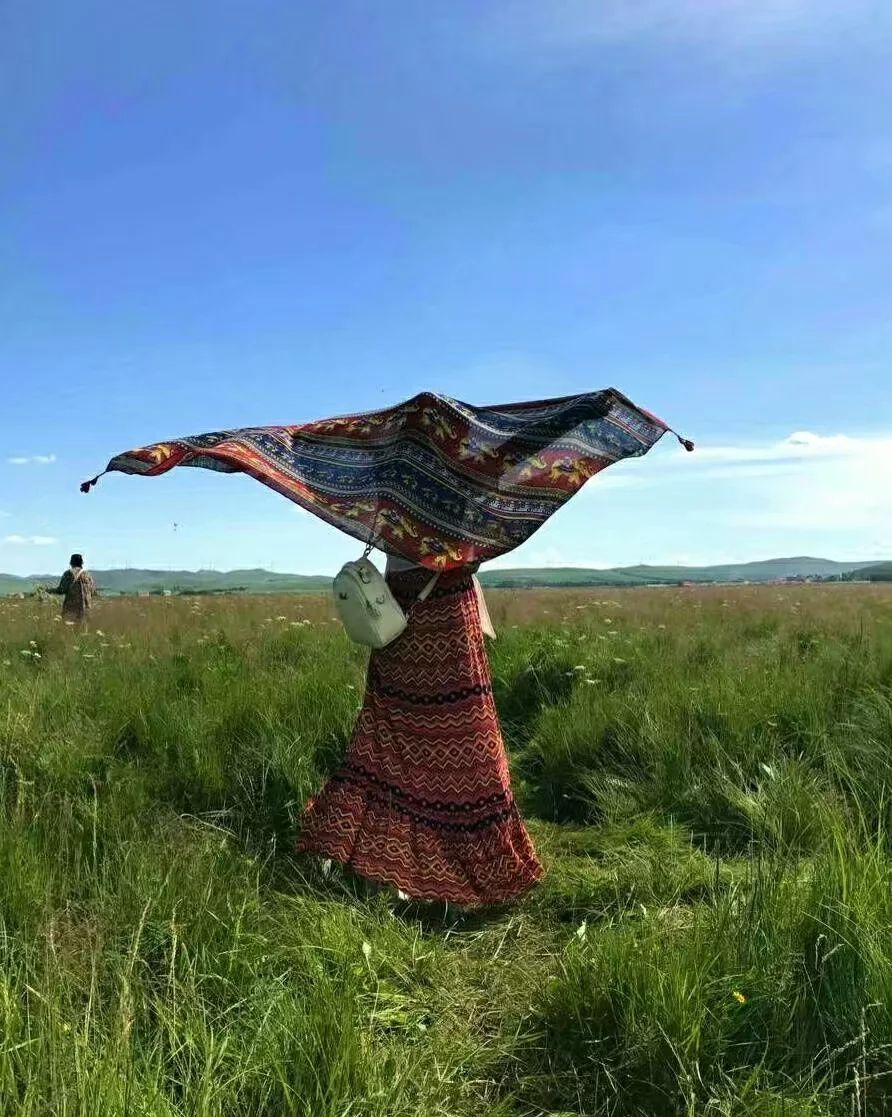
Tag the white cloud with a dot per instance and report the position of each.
(744, 41)
(806, 493)
(30, 540)
(741, 23)
(799, 446)
(34, 459)
(834, 483)
(796, 453)
(827, 483)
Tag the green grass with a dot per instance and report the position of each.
(706, 773)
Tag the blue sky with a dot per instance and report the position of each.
(221, 215)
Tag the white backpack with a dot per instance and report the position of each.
(368, 610)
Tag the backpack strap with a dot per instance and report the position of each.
(425, 593)
(423, 596)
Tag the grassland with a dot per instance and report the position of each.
(707, 774)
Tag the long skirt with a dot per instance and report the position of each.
(423, 798)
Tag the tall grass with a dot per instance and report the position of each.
(707, 775)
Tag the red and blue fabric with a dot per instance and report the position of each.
(433, 480)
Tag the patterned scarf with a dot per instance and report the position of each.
(436, 481)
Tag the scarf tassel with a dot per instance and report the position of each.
(87, 485)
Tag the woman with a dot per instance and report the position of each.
(77, 589)
(423, 798)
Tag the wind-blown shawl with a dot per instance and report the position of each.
(434, 480)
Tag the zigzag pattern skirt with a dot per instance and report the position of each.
(423, 798)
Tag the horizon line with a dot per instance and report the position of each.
(496, 570)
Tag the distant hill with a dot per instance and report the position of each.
(768, 570)
(265, 581)
(876, 572)
(188, 581)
